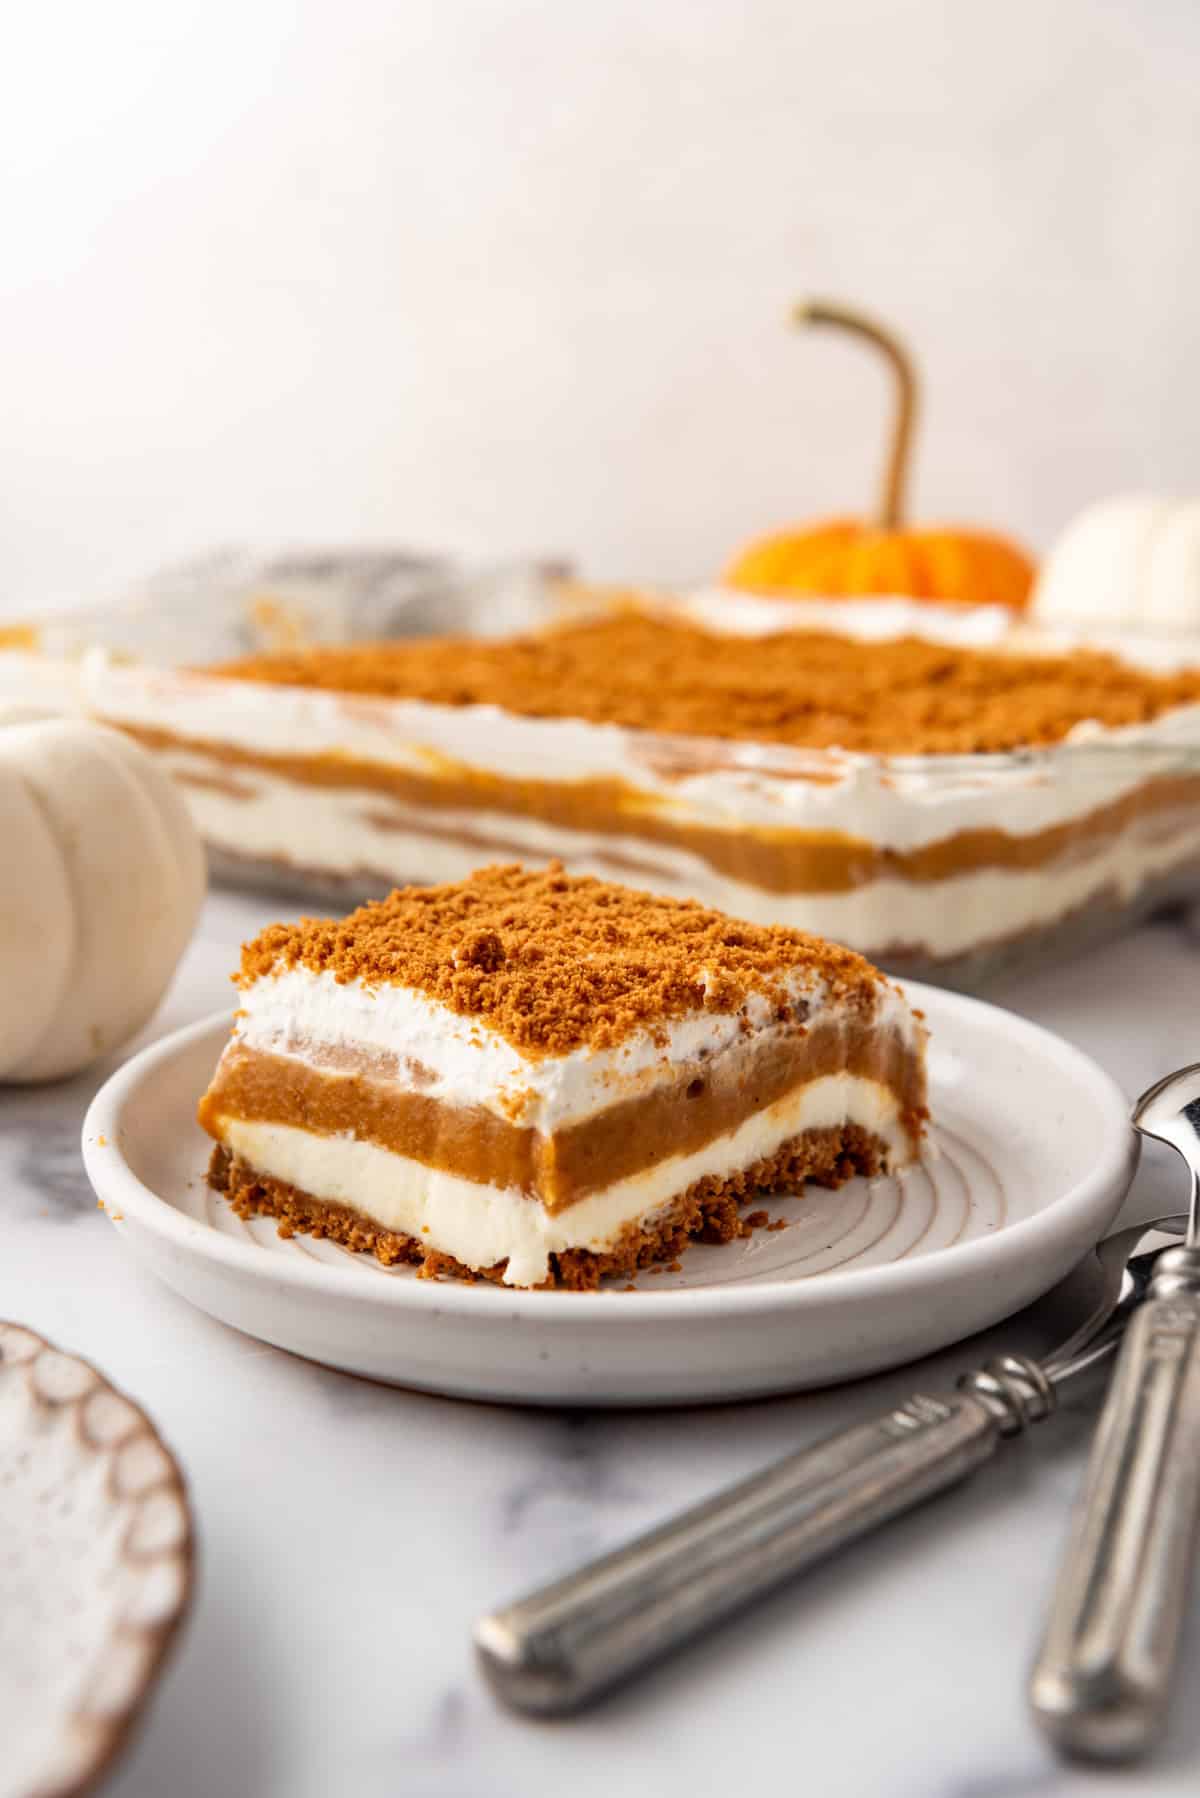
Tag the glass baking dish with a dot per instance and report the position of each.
(943, 867)
(238, 602)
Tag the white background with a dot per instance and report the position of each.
(507, 275)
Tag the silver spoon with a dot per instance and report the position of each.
(1103, 1675)
(561, 1647)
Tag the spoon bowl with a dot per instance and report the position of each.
(1169, 1111)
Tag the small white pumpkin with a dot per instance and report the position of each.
(1126, 564)
(101, 879)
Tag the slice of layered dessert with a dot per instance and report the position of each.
(539, 1079)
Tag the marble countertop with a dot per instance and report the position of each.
(350, 1533)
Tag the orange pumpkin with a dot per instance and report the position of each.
(852, 558)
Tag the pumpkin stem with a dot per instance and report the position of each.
(895, 474)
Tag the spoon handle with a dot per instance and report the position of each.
(1102, 1678)
(559, 1648)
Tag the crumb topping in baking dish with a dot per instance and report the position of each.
(809, 690)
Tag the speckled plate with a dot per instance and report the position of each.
(95, 1567)
(1029, 1160)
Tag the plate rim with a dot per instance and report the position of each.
(122, 1190)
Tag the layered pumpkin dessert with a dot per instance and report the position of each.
(543, 1079)
(924, 802)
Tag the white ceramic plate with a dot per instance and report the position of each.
(1030, 1158)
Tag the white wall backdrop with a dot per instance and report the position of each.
(508, 275)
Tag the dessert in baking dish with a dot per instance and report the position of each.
(542, 1080)
(918, 801)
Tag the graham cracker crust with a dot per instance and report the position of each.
(708, 1211)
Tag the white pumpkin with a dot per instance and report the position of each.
(101, 878)
(1126, 564)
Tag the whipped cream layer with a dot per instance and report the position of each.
(872, 619)
(482, 1225)
(882, 618)
(459, 1060)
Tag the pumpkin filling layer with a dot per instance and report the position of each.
(526, 1068)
